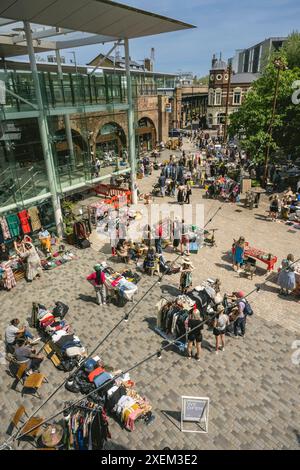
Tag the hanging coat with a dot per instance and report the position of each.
(13, 225)
(24, 220)
(34, 218)
(4, 228)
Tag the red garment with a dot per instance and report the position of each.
(24, 219)
(95, 373)
(93, 277)
(48, 320)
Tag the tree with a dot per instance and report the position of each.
(252, 121)
(291, 49)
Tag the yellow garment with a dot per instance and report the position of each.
(127, 411)
(46, 242)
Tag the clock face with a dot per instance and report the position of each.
(226, 77)
(212, 77)
(219, 76)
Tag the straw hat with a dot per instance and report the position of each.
(220, 308)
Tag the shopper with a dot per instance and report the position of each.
(162, 184)
(195, 327)
(238, 253)
(186, 279)
(158, 238)
(287, 278)
(97, 279)
(240, 322)
(219, 327)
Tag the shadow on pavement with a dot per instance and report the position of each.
(173, 416)
(87, 298)
(171, 290)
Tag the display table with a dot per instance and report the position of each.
(262, 256)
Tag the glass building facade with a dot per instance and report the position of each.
(23, 175)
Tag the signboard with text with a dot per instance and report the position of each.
(194, 410)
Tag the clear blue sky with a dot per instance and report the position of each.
(222, 26)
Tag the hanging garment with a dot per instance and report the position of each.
(1, 236)
(24, 220)
(34, 218)
(9, 278)
(13, 225)
(5, 229)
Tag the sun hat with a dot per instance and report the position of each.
(240, 294)
(97, 267)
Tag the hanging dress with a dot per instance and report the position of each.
(13, 225)
(34, 218)
(24, 220)
(5, 229)
(9, 278)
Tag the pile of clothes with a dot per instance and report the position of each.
(117, 395)
(57, 259)
(52, 326)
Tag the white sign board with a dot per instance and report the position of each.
(195, 410)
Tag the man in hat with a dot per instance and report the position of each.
(186, 275)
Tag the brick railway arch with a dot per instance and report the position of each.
(110, 136)
(146, 134)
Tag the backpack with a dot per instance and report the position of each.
(248, 309)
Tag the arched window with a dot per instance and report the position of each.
(210, 120)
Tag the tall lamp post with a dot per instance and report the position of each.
(280, 66)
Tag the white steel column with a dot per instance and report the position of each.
(44, 133)
(131, 132)
(66, 116)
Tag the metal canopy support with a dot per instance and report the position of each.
(44, 132)
(100, 62)
(85, 41)
(131, 133)
(45, 33)
(66, 116)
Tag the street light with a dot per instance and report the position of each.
(280, 66)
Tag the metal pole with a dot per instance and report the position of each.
(227, 104)
(271, 128)
(66, 116)
(131, 132)
(44, 133)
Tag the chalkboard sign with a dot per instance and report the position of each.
(195, 410)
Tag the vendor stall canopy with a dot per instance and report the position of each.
(98, 21)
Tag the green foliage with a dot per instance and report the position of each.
(201, 80)
(252, 121)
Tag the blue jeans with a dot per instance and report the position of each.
(27, 334)
(158, 247)
(240, 323)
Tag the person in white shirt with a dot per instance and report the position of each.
(220, 323)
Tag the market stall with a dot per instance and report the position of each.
(62, 346)
(121, 286)
(268, 258)
(113, 390)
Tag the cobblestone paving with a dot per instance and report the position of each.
(253, 386)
